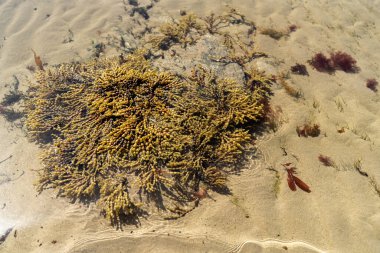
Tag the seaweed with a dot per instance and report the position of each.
(308, 130)
(215, 23)
(343, 61)
(38, 61)
(338, 61)
(188, 29)
(327, 161)
(299, 69)
(293, 180)
(184, 31)
(292, 28)
(240, 53)
(372, 84)
(125, 133)
(321, 63)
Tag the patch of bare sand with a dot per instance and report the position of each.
(341, 214)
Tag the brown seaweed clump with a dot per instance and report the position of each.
(190, 28)
(125, 134)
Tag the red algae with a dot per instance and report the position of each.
(292, 28)
(372, 84)
(326, 161)
(321, 63)
(343, 61)
(338, 61)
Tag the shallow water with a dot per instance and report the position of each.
(341, 214)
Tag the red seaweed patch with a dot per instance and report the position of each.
(338, 61)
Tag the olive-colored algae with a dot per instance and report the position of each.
(125, 133)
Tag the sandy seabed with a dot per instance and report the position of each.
(341, 214)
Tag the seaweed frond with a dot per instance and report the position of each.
(184, 32)
(116, 204)
(38, 61)
(214, 24)
(327, 161)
